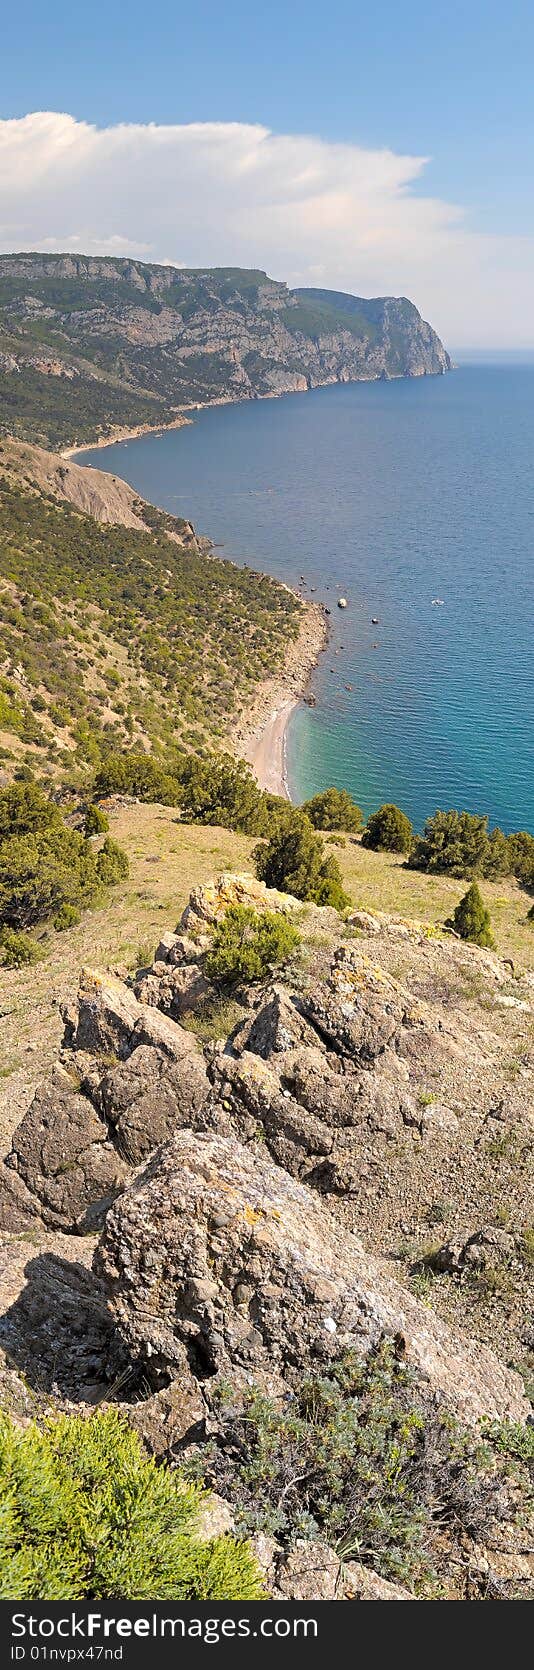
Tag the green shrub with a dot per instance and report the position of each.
(111, 863)
(18, 950)
(521, 856)
(138, 775)
(48, 871)
(96, 822)
(459, 844)
(294, 861)
(222, 791)
(362, 1456)
(248, 943)
(25, 809)
(471, 920)
(388, 830)
(334, 809)
(87, 1514)
(67, 917)
(41, 872)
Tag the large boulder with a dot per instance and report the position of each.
(147, 1097)
(215, 1257)
(137, 1077)
(209, 902)
(62, 1154)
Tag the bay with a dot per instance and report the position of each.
(394, 495)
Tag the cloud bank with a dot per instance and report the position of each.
(307, 210)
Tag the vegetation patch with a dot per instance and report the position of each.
(88, 1514)
(294, 861)
(363, 1457)
(250, 944)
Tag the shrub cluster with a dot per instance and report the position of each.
(461, 844)
(248, 944)
(294, 860)
(48, 871)
(86, 1513)
(362, 1456)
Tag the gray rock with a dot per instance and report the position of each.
(147, 1097)
(61, 1152)
(208, 1218)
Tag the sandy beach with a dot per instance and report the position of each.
(261, 738)
(116, 435)
(266, 753)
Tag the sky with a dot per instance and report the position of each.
(377, 149)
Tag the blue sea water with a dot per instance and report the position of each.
(392, 494)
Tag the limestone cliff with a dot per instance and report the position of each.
(88, 345)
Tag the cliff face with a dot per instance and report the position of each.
(89, 344)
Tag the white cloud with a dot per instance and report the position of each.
(307, 210)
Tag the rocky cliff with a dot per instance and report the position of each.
(89, 344)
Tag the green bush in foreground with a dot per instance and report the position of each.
(471, 919)
(294, 861)
(388, 830)
(249, 943)
(334, 809)
(86, 1513)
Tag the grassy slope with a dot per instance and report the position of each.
(168, 859)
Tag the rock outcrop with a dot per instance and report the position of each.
(138, 1076)
(242, 1194)
(217, 1258)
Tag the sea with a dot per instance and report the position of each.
(413, 500)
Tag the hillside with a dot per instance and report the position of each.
(89, 346)
(288, 1229)
(119, 627)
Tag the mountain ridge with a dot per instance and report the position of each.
(90, 344)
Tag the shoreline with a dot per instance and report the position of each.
(181, 418)
(262, 740)
(122, 435)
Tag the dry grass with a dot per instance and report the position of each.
(379, 881)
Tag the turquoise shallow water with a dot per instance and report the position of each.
(392, 494)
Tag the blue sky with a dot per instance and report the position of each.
(449, 83)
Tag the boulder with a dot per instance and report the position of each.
(145, 1098)
(170, 1418)
(18, 1208)
(209, 903)
(312, 1571)
(110, 1020)
(141, 1077)
(175, 990)
(62, 1154)
(214, 1256)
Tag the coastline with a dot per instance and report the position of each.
(261, 740)
(178, 422)
(119, 435)
(260, 737)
